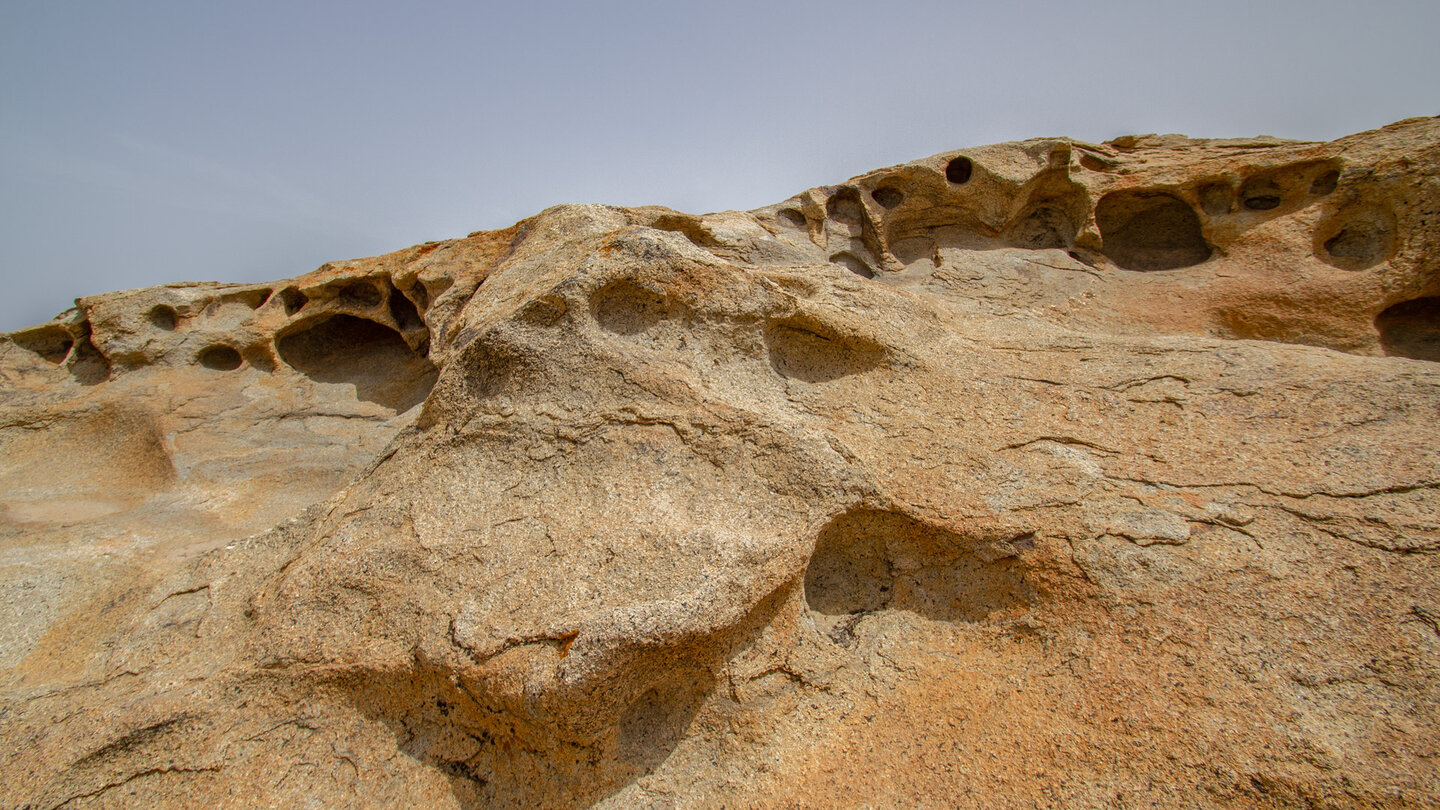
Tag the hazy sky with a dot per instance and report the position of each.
(147, 142)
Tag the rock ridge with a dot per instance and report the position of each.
(1041, 473)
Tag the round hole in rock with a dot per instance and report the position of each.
(220, 358)
(163, 317)
(1357, 237)
(793, 218)
(853, 263)
(1045, 227)
(371, 357)
(868, 560)
(403, 310)
(293, 299)
(1325, 183)
(803, 348)
(1411, 329)
(1150, 230)
(626, 308)
(1355, 242)
(361, 294)
(888, 197)
(844, 207)
(51, 343)
(1216, 198)
(1262, 202)
(959, 170)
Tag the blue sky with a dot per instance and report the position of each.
(147, 142)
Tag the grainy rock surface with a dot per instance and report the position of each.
(1038, 474)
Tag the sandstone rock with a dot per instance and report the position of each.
(1038, 474)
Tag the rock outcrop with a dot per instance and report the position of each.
(1039, 474)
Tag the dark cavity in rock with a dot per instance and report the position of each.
(844, 207)
(50, 343)
(888, 197)
(165, 318)
(293, 299)
(360, 294)
(220, 358)
(853, 263)
(403, 310)
(804, 349)
(868, 560)
(1150, 231)
(372, 357)
(959, 170)
(1411, 329)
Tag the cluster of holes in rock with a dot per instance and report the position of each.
(1141, 229)
(869, 560)
(800, 347)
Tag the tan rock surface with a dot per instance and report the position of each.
(1037, 474)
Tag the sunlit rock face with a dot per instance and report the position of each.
(1038, 474)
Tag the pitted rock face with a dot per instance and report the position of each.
(1048, 472)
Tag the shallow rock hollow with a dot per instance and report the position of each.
(1037, 474)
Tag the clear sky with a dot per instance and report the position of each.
(146, 142)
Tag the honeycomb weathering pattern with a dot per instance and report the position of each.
(1042, 473)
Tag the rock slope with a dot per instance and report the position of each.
(1038, 474)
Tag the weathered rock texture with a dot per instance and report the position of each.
(1039, 474)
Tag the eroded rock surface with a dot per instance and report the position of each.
(1038, 474)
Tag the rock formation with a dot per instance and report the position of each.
(1039, 474)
